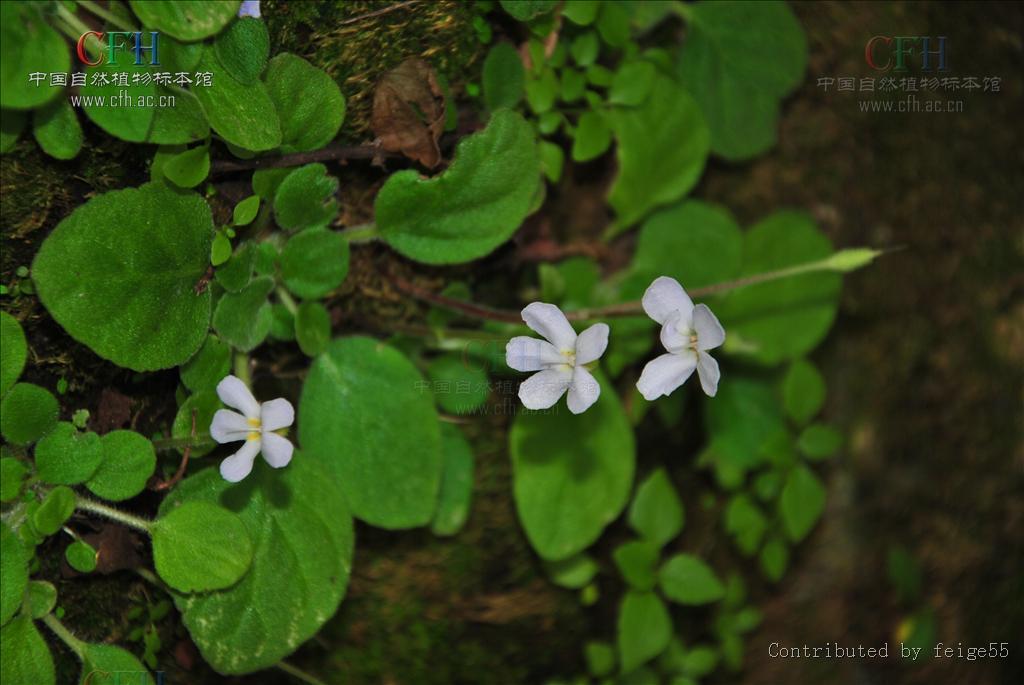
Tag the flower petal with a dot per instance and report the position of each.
(249, 8)
(592, 343)
(233, 392)
(707, 370)
(665, 296)
(583, 392)
(531, 354)
(550, 322)
(238, 465)
(229, 426)
(544, 388)
(277, 451)
(276, 414)
(664, 374)
(710, 333)
(675, 334)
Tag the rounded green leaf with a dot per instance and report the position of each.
(503, 76)
(745, 521)
(472, 207)
(582, 12)
(657, 512)
(685, 579)
(591, 138)
(28, 45)
(245, 211)
(204, 404)
(128, 461)
(208, 366)
(56, 508)
(186, 20)
(525, 10)
(242, 113)
(189, 168)
(819, 441)
(243, 319)
(236, 271)
(803, 391)
(42, 597)
(12, 477)
(312, 328)
(459, 383)
(801, 502)
(391, 472)
(66, 456)
(184, 122)
(243, 48)
(120, 275)
(637, 561)
(303, 539)
(744, 419)
(99, 662)
(81, 556)
(200, 546)
(113, 107)
(600, 657)
(305, 198)
(574, 573)
(308, 102)
(644, 629)
(56, 129)
(585, 49)
(27, 412)
(572, 473)
(632, 83)
(26, 658)
(314, 262)
(13, 572)
(456, 482)
(13, 351)
(774, 559)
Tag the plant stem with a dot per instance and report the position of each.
(288, 301)
(76, 645)
(331, 152)
(363, 233)
(130, 520)
(151, 578)
(298, 673)
(242, 368)
(181, 443)
(72, 21)
(106, 15)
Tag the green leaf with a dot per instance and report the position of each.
(314, 262)
(205, 404)
(312, 328)
(585, 49)
(28, 45)
(636, 561)
(774, 559)
(525, 10)
(819, 441)
(81, 557)
(644, 629)
(592, 137)
(305, 198)
(572, 473)
(782, 319)
(245, 211)
(662, 147)
(42, 597)
(503, 77)
(12, 477)
(613, 24)
(303, 538)
(574, 573)
(456, 482)
(685, 579)
(200, 546)
(57, 507)
(108, 659)
(128, 462)
(803, 391)
(542, 91)
(743, 420)
(128, 292)
(220, 251)
(236, 273)
(308, 102)
(265, 183)
(391, 474)
(13, 573)
(632, 83)
(700, 660)
(186, 20)
(552, 159)
(459, 383)
(581, 12)
(243, 48)
(208, 366)
(722, 63)
(282, 326)
(116, 109)
(12, 123)
(474, 206)
(56, 129)
(574, 84)
(243, 319)
(694, 242)
(600, 657)
(745, 521)
(27, 413)
(189, 168)
(242, 113)
(13, 351)
(67, 457)
(184, 122)
(26, 658)
(801, 502)
(657, 512)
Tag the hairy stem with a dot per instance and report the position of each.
(288, 301)
(73, 643)
(298, 673)
(363, 233)
(241, 368)
(130, 520)
(104, 14)
(201, 440)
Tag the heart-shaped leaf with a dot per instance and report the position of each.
(308, 102)
(305, 198)
(242, 113)
(657, 512)
(200, 546)
(314, 262)
(128, 462)
(66, 456)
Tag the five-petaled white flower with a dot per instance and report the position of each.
(559, 360)
(687, 332)
(249, 8)
(255, 425)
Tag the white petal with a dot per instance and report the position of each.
(664, 374)
(249, 8)
(592, 343)
(544, 388)
(232, 392)
(665, 296)
(710, 333)
(238, 465)
(277, 450)
(550, 322)
(675, 334)
(583, 392)
(531, 354)
(229, 426)
(276, 414)
(707, 370)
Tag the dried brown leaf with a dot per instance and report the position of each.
(408, 112)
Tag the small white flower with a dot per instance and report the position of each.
(687, 332)
(255, 425)
(559, 360)
(249, 8)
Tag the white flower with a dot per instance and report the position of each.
(687, 332)
(560, 360)
(256, 425)
(249, 8)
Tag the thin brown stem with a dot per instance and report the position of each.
(180, 473)
(331, 152)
